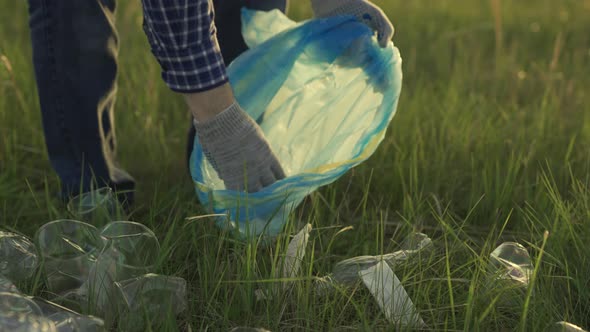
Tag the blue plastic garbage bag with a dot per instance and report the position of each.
(323, 92)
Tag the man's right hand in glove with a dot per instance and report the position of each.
(232, 141)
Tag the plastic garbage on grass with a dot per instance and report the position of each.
(391, 295)
(97, 207)
(509, 270)
(148, 297)
(18, 257)
(130, 250)
(292, 262)
(512, 261)
(323, 92)
(376, 272)
(295, 253)
(17, 322)
(69, 249)
(95, 270)
(66, 320)
(346, 271)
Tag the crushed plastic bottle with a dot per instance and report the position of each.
(97, 207)
(69, 249)
(143, 298)
(511, 261)
(346, 271)
(18, 256)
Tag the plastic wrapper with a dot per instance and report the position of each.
(147, 298)
(18, 256)
(323, 92)
(97, 207)
(69, 249)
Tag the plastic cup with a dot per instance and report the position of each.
(20, 313)
(136, 245)
(67, 320)
(15, 322)
(512, 260)
(12, 303)
(146, 297)
(18, 256)
(131, 250)
(69, 249)
(97, 207)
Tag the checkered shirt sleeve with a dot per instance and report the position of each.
(182, 37)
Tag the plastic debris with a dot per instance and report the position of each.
(565, 327)
(18, 322)
(18, 256)
(18, 304)
(97, 207)
(149, 296)
(511, 261)
(292, 262)
(103, 271)
(69, 249)
(416, 242)
(346, 271)
(66, 320)
(323, 92)
(296, 252)
(130, 250)
(391, 295)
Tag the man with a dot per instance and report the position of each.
(74, 54)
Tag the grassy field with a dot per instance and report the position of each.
(490, 144)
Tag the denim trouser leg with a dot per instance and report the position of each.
(229, 34)
(75, 58)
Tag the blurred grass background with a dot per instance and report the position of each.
(490, 143)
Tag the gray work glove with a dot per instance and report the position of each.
(363, 10)
(236, 147)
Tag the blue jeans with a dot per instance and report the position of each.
(75, 49)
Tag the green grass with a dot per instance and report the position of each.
(490, 144)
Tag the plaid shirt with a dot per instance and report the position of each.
(182, 37)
